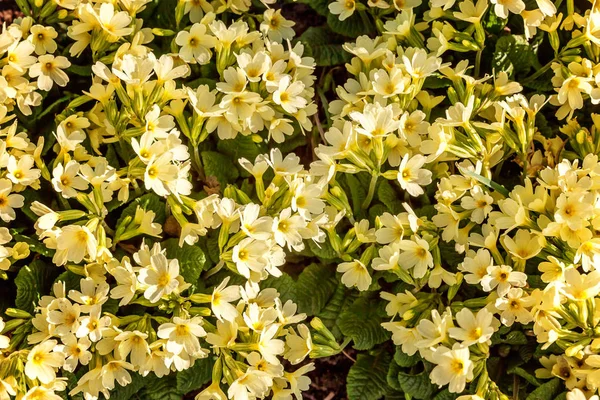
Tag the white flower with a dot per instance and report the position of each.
(503, 277)
(221, 297)
(182, 335)
(410, 175)
(343, 8)
(288, 95)
(133, 343)
(21, 171)
(8, 201)
(49, 69)
(276, 27)
(502, 7)
(298, 346)
(195, 44)
(66, 181)
(416, 256)
(473, 328)
(454, 367)
(42, 361)
(355, 274)
(75, 242)
(161, 278)
(76, 351)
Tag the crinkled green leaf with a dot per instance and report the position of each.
(513, 54)
(362, 323)
(220, 166)
(342, 299)
(33, 281)
(148, 202)
(322, 250)
(315, 286)
(284, 284)
(419, 386)
(320, 6)
(404, 360)
(191, 259)
(389, 197)
(195, 377)
(129, 391)
(241, 147)
(392, 376)
(164, 388)
(360, 23)
(358, 192)
(547, 391)
(525, 375)
(445, 395)
(71, 280)
(367, 377)
(325, 46)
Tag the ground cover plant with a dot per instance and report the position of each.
(203, 199)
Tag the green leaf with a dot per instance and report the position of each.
(33, 281)
(367, 377)
(127, 392)
(419, 386)
(360, 23)
(362, 323)
(191, 259)
(81, 70)
(284, 284)
(320, 6)
(513, 54)
(445, 395)
(525, 375)
(72, 281)
(494, 24)
(148, 202)
(486, 181)
(389, 197)
(342, 299)
(195, 377)
(322, 250)
(164, 388)
(35, 246)
(219, 166)
(404, 360)
(392, 376)
(546, 391)
(514, 338)
(436, 82)
(315, 286)
(325, 46)
(241, 146)
(358, 192)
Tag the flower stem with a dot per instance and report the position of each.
(371, 191)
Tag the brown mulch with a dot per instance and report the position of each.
(9, 11)
(329, 377)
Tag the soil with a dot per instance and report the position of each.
(329, 377)
(8, 11)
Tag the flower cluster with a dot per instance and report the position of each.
(195, 202)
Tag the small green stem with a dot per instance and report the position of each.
(197, 163)
(539, 72)
(478, 63)
(371, 192)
